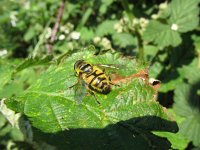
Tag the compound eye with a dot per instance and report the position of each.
(87, 68)
(77, 64)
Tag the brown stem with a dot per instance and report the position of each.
(56, 27)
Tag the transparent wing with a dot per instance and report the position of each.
(110, 66)
(80, 91)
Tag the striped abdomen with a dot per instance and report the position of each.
(97, 81)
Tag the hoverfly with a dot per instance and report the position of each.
(92, 79)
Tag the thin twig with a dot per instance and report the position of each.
(56, 26)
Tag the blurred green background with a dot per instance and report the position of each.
(163, 34)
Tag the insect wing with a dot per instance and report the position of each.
(111, 66)
(80, 91)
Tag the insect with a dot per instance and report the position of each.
(93, 78)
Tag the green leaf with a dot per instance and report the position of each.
(161, 34)
(85, 17)
(104, 6)
(124, 39)
(155, 69)
(190, 127)
(106, 28)
(58, 102)
(184, 13)
(189, 72)
(177, 140)
(8, 87)
(16, 85)
(50, 105)
(30, 33)
(170, 85)
(150, 51)
(11, 88)
(196, 40)
(5, 72)
(187, 105)
(9, 133)
(86, 34)
(114, 136)
(34, 62)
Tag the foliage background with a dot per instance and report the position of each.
(162, 36)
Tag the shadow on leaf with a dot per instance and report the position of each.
(193, 97)
(134, 133)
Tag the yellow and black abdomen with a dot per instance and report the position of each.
(97, 81)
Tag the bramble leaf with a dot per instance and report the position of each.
(51, 107)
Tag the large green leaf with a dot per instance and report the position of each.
(161, 34)
(51, 107)
(184, 13)
(187, 105)
(181, 16)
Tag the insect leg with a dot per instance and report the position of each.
(72, 85)
(110, 81)
(92, 93)
(78, 81)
